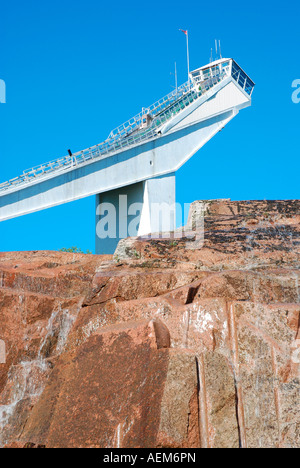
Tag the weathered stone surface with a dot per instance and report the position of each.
(218, 394)
(163, 345)
(179, 418)
(112, 390)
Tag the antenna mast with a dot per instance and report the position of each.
(218, 44)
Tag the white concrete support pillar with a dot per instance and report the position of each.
(135, 210)
(159, 211)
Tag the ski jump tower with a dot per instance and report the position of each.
(139, 159)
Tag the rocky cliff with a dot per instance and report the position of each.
(166, 344)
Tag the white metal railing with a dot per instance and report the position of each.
(154, 109)
(134, 131)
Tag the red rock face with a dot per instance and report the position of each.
(109, 391)
(161, 346)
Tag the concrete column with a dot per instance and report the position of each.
(135, 210)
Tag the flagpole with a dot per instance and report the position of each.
(187, 50)
(188, 54)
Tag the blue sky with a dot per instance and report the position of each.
(74, 70)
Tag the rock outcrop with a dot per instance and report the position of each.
(170, 343)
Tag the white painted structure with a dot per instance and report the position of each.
(140, 158)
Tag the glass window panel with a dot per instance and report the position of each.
(242, 80)
(249, 87)
(235, 71)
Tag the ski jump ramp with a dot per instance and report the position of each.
(140, 158)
